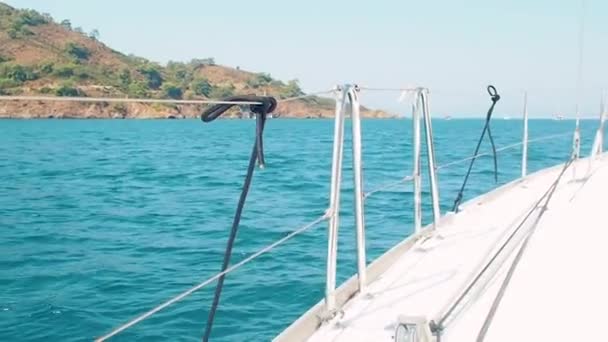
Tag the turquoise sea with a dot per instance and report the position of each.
(101, 220)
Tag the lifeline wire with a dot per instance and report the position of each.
(406, 179)
(212, 279)
(261, 106)
(299, 97)
(388, 186)
(142, 100)
(120, 100)
(547, 137)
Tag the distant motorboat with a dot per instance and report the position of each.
(558, 117)
(447, 117)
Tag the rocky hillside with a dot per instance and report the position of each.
(39, 56)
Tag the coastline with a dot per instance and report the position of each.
(106, 110)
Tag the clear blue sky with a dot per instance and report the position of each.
(453, 47)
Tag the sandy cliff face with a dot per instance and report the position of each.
(66, 110)
(41, 109)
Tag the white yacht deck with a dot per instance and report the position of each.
(520, 263)
(557, 291)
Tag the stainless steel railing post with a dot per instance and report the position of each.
(349, 94)
(358, 186)
(598, 142)
(334, 199)
(524, 146)
(430, 149)
(417, 176)
(576, 141)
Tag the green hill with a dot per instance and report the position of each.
(42, 56)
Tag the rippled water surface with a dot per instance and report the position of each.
(101, 220)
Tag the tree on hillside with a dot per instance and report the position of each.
(12, 33)
(6, 84)
(5, 9)
(222, 92)
(172, 91)
(94, 34)
(68, 89)
(137, 90)
(259, 80)
(180, 72)
(64, 70)
(125, 78)
(137, 60)
(22, 21)
(263, 78)
(153, 76)
(47, 17)
(45, 68)
(173, 65)
(31, 18)
(209, 61)
(77, 51)
(201, 87)
(17, 73)
(66, 24)
(196, 63)
(292, 89)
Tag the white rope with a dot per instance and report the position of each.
(139, 100)
(443, 166)
(117, 99)
(388, 186)
(324, 92)
(389, 89)
(212, 279)
(406, 94)
(410, 178)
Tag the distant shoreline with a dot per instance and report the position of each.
(276, 118)
(178, 119)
